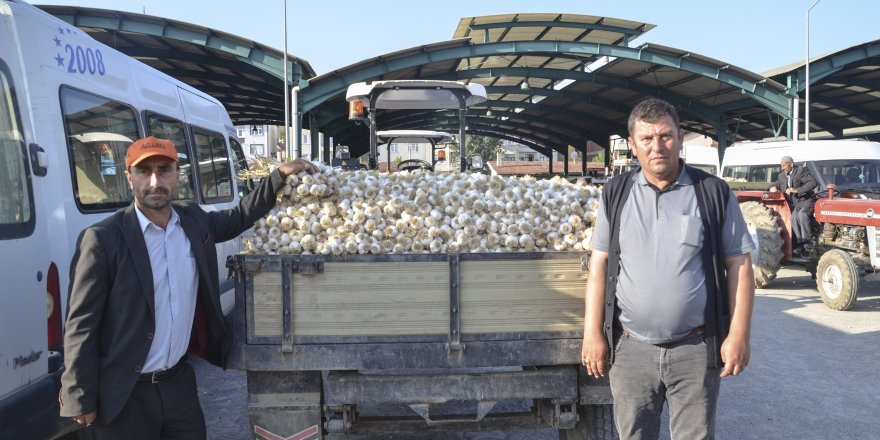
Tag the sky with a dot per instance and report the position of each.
(758, 35)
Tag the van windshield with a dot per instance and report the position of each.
(848, 173)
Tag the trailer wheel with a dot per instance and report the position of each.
(595, 422)
(837, 280)
(767, 235)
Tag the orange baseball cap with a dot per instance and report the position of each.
(149, 147)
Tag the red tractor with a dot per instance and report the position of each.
(844, 245)
(844, 242)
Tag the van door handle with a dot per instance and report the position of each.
(39, 160)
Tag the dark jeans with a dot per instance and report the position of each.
(644, 376)
(167, 410)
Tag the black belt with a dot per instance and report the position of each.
(163, 375)
(694, 332)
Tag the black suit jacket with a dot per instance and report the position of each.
(802, 180)
(110, 320)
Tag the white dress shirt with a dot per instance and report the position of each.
(175, 284)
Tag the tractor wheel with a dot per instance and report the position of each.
(837, 278)
(767, 235)
(595, 422)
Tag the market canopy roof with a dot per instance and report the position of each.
(582, 77)
(555, 80)
(844, 91)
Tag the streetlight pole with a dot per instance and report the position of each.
(807, 77)
(287, 146)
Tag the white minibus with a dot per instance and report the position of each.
(69, 108)
(851, 164)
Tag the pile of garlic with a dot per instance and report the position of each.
(337, 212)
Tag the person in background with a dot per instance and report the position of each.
(670, 290)
(798, 184)
(144, 292)
(853, 175)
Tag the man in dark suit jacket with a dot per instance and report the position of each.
(798, 184)
(144, 292)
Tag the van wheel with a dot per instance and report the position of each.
(767, 235)
(837, 280)
(595, 422)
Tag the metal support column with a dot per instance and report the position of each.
(721, 129)
(315, 135)
(793, 124)
(326, 156)
(565, 165)
(372, 162)
(294, 131)
(462, 110)
(584, 160)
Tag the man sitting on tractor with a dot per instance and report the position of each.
(798, 184)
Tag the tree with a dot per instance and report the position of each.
(483, 146)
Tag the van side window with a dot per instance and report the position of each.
(16, 197)
(164, 127)
(737, 172)
(240, 163)
(215, 174)
(99, 131)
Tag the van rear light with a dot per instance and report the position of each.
(53, 302)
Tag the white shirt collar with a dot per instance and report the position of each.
(144, 221)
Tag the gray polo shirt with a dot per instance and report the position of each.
(661, 288)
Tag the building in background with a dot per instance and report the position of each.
(268, 140)
(514, 152)
(259, 140)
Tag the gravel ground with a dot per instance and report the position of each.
(812, 374)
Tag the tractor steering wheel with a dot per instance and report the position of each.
(414, 164)
(824, 193)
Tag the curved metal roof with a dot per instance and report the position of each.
(844, 91)
(244, 75)
(583, 79)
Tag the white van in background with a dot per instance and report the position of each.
(69, 108)
(851, 164)
(702, 157)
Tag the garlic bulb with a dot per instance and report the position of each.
(335, 212)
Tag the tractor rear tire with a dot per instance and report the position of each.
(837, 278)
(767, 235)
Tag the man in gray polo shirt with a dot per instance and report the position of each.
(670, 286)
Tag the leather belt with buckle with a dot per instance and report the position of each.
(163, 375)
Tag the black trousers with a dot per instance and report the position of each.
(167, 410)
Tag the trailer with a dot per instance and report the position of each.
(321, 337)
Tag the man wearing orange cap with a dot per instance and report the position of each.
(144, 292)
